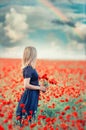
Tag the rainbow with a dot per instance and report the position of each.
(54, 9)
(59, 14)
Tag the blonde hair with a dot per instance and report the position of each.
(29, 56)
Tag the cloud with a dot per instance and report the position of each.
(16, 27)
(81, 37)
(69, 1)
(71, 50)
(77, 33)
(38, 17)
(62, 1)
(69, 23)
(74, 31)
(19, 21)
(81, 28)
(3, 1)
(74, 16)
(4, 40)
(75, 46)
(77, 39)
(78, 1)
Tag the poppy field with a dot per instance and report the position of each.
(61, 107)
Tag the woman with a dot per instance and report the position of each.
(29, 99)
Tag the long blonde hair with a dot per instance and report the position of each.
(29, 56)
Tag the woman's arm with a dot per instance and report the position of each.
(33, 87)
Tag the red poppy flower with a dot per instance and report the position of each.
(22, 105)
(32, 125)
(63, 125)
(23, 111)
(31, 112)
(67, 108)
(1, 128)
(10, 126)
(48, 119)
(18, 117)
(75, 114)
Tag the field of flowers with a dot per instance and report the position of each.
(61, 107)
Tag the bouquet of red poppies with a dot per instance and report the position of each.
(44, 82)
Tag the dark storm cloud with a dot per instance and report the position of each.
(58, 22)
(70, 1)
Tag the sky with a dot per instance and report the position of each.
(57, 28)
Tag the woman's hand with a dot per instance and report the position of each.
(42, 88)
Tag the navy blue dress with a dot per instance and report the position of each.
(29, 97)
